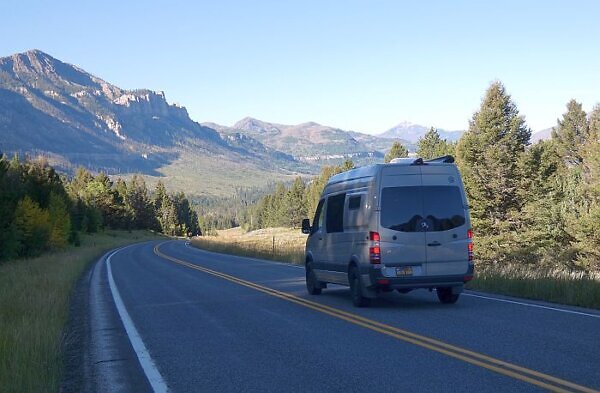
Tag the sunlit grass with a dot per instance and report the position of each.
(34, 307)
(278, 244)
(527, 281)
(553, 285)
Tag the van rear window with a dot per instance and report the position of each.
(422, 208)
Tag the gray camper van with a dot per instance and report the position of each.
(403, 225)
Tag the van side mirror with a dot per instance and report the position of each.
(306, 226)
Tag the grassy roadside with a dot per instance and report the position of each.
(555, 286)
(34, 305)
(276, 244)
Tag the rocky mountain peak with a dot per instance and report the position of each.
(254, 125)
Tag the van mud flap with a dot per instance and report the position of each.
(368, 290)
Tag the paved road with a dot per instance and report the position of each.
(212, 322)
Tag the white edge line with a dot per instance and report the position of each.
(533, 305)
(148, 365)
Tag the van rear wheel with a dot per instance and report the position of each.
(358, 300)
(446, 296)
(312, 285)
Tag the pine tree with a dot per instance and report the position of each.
(571, 133)
(78, 185)
(160, 192)
(184, 214)
(99, 194)
(295, 207)
(488, 154)
(432, 146)
(167, 217)
(543, 228)
(60, 221)
(9, 196)
(139, 201)
(587, 224)
(397, 151)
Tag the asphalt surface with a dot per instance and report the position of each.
(212, 322)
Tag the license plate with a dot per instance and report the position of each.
(404, 271)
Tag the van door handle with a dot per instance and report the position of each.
(434, 244)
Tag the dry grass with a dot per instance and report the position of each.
(556, 285)
(278, 244)
(34, 305)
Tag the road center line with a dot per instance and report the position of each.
(508, 369)
(148, 365)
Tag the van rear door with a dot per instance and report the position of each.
(401, 214)
(445, 210)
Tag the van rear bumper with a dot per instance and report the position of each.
(379, 281)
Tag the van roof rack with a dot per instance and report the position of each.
(445, 159)
(407, 161)
(419, 161)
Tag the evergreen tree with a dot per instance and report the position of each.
(432, 146)
(9, 196)
(77, 187)
(543, 221)
(488, 154)
(587, 223)
(571, 133)
(160, 193)
(60, 221)
(295, 206)
(346, 166)
(397, 151)
(140, 204)
(101, 196)
(184, 214)
(167, 217)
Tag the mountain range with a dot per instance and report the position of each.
(59, 111)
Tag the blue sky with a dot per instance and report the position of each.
(357, 65)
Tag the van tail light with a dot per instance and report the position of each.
(374, 248)
(374, 236)
(470, 245)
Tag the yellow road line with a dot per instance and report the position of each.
(514, 371)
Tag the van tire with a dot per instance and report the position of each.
(358, 300)
(313, 286)
(446, 296)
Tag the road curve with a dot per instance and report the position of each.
(213, 322)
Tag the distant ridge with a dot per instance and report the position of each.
(310, 141)
(412, 132)
(544, 134)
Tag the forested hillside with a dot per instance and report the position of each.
(535, 205)
(41, 210)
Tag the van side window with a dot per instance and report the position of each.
(335, 213)
(318, 220)
(354, 203)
